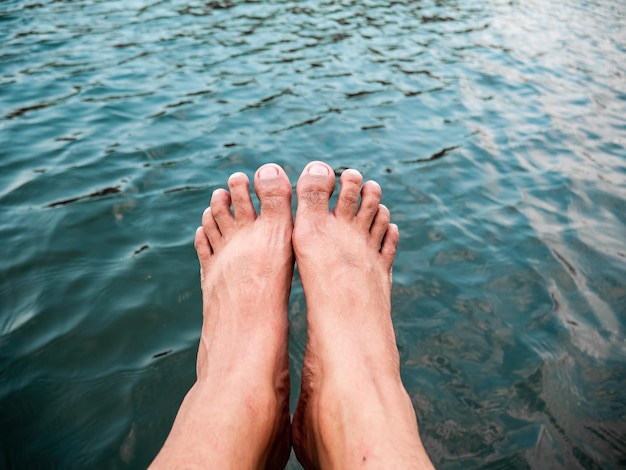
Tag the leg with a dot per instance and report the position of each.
(237, 413)
(353, 410)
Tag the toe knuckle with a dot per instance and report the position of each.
(314, 197)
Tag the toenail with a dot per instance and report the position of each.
(318, 169)
(268, 171)
(235, 175)
(351, 171)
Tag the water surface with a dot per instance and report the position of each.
(496, 129)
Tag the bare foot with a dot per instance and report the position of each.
(353, 409)
(237, 413)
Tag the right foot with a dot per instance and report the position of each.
(353, 409)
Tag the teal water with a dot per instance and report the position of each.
(497, 130)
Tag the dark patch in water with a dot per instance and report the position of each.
(102, 192)
(567, 264)
(555, 301)
(300, 124)
(172, 163)
(139, 250)
(339, 37)
(435, 156)
(182, 188)
(270, 98)
(408, 94)
(20, 111)
(161, 354)
(301, 10)
(419, 72)
(359, 93)
(180, 103)
(200, 92)
(339, 170)
(374, 126)
(220, 5)
(286, 91)
(436, 19)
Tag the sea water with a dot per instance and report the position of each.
(497, 130)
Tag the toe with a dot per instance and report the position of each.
(273, 189)
(221, 216)
(380, 225)
(349, 192)
(203, 247)
(371, 194)
(314, 188)
(239, 186)
(211, 230)
(389, 245)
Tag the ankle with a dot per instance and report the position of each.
(345, 357)
(369, 423)
(256, 404)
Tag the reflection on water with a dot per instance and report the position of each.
(496, 129)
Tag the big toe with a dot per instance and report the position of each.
(314, 188)
(273, 189)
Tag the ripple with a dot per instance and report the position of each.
(496, 129)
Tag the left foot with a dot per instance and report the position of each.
(239, 407)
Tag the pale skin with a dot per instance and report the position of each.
(353, 411)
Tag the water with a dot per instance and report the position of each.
(497, 130)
